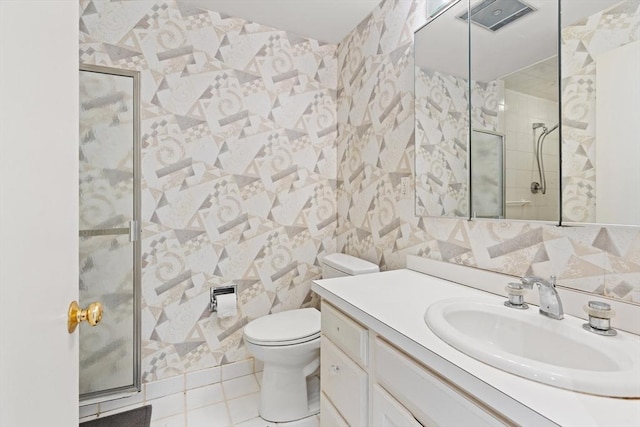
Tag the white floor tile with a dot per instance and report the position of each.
(209, 416)
(206, 406)
(204, 396)
(240, 386)
(244, 408)
(174, 421)
(167, 406)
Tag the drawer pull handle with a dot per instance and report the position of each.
(334, 370)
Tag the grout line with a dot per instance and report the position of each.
(184, 405)
(226, 402)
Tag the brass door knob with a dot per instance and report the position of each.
(92, 314)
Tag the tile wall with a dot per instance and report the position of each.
(238, 169)
(521, 170)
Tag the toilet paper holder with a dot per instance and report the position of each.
(220, 290)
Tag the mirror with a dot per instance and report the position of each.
(514, 73)
(442, 114)
(600, 111)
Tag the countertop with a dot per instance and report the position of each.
(393, 304)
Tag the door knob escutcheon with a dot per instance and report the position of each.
(92, 314)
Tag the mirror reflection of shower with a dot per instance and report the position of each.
(538, 152)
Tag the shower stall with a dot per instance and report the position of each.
(109, 188)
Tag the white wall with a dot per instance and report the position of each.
(617, 103)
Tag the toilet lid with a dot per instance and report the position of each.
(286, 327)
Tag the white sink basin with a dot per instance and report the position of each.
(555, 352)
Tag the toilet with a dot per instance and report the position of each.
(288, 343)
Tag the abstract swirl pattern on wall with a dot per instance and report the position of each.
(442, 129)
(238, 169)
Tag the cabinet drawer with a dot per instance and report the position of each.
(345, 333)
(430, 399)
(344, 383)
(329, 415)
(387, 412)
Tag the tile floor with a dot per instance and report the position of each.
(227, 396)
(232, 403)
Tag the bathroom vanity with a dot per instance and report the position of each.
(382, 365)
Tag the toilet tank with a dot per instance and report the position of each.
(339, 265)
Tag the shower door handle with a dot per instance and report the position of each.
(133, 231)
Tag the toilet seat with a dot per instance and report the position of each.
(284, 328)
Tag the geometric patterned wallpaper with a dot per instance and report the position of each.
(376, 148)
(262, 151)
(238, 130)
(442, 130)
(442, 127)
(581, 43)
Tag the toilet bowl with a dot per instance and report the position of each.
(288, 343)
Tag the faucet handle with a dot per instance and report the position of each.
(600, 314)
(515, 292)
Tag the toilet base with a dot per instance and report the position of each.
(288, 396)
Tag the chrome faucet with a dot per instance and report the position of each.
(550, 304)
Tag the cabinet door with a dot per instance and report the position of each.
(329, 415)
(431, 399)
(387, 412)
(344, 383)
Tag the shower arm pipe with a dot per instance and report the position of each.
(540, 162)
(542, 186)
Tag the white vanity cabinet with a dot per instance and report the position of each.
(368, 382)
(431, 398)
(388, 412)
(343, 363)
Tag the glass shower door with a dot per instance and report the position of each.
(109, 232)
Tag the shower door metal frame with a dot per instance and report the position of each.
(134, 232)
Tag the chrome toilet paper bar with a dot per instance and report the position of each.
(220, 290)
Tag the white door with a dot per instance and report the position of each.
(38, 212)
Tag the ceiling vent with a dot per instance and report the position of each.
(495, 14)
